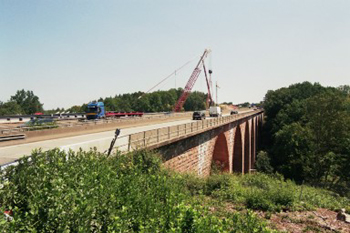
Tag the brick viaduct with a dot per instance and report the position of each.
(232, 147)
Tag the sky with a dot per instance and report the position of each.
(71, 52)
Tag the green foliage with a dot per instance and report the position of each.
(55, 191)
(307, 134)
(265, 192)
(76, 109)
(28, 101)
(23, 102)
(9, 108)
(262, 163)
(158, 101)
(217, 182)
(245, 105)
(195, 101)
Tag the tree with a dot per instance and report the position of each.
(9, 108)
(345, 89)
(195, 101)
(28, 101)
(329, 120)
(307, 133)
(75, 109)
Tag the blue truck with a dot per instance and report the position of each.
(95, 110)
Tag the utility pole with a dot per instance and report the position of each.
(217, 86)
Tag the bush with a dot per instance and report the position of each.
(55, 191)
(257, 201)
(217, 182)
(263, 163)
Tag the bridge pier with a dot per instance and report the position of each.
(230, 147)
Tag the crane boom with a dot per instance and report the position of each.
(190, 83)
(209, 97)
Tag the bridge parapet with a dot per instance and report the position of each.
(162, 136)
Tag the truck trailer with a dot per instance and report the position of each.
(96, 110)
(215, 111)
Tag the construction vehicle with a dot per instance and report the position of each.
(192, 80)
(96, 110)
(215, 111)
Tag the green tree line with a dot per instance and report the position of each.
(158, 101)
(307, 134)
(25, 102)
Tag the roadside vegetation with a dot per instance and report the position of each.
(89, 192)
(40, 123)
(307, 135)
(25, 102)
(57, 191)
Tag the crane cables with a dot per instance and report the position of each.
(167, 77)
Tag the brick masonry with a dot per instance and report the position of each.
(232, 147)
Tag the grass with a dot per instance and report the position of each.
(265, 192)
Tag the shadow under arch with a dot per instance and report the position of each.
(253, 144)
(221, 154)
(237, 151)
(247, 156)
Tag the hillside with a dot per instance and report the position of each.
(89, 192)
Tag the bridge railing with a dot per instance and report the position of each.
(9, 131)
(156, 136)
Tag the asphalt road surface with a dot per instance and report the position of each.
(98, 140)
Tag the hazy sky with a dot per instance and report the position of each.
(71, 52)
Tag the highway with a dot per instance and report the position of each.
(99, 140)
(11, 153)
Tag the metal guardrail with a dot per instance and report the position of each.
(12, 137)
(156, 136)
(153, 137)
(8, 131)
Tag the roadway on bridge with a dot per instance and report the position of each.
(98, 140)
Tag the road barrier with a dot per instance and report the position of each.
(152, 138)
(155, 137)
(12, 137)
(6, 131)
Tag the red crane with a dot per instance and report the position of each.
(192, 80)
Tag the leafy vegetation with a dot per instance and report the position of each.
(57, 191)
(158, 101)
(23, 102)
(40, 123)
(307, 134)
(264, 192)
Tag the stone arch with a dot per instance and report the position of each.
(221, 154)
(237, 151)
(247, 155)
(253, 143)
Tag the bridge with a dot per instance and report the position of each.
(230, 142)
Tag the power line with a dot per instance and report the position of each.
(173, 73)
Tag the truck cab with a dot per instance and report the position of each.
(95, 110)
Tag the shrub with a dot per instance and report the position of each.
(217, 182)
(263, 163)
(55, 191)
(258, 201)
